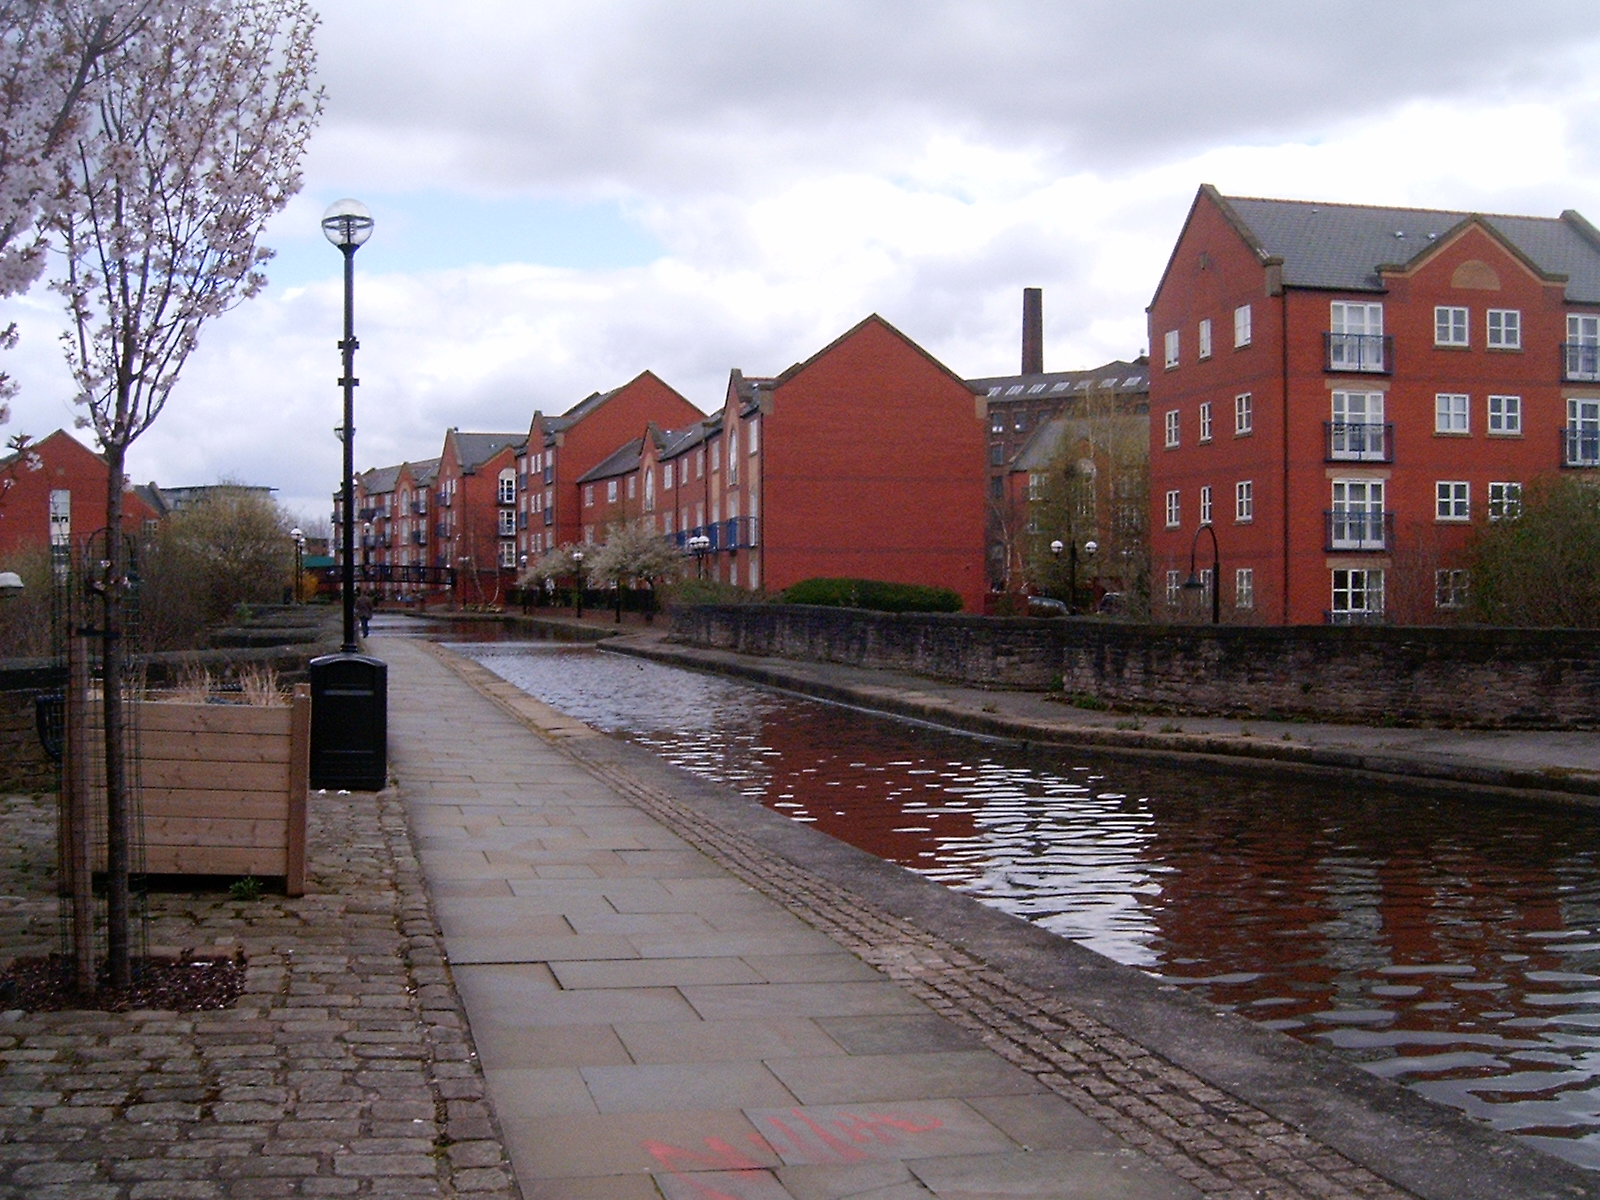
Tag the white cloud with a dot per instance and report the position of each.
(790, 168)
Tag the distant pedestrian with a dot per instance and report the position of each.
(364, 611)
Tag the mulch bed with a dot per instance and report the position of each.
(187, 983)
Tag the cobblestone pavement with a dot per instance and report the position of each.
(346, 1069)
(1226, 1149)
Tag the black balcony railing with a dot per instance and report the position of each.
(1365, 353)
(419, 537)
(1580, 447)
(1580, 362)
(549, 516)
(419, 508)
(1354, 441)
(1356, 616)
(1359, 529)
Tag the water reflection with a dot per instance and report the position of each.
(1455, 947)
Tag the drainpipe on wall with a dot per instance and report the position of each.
(1283, 296)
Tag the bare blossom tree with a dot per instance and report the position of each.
(194, 140)
(50, 55)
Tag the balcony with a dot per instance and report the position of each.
(1359, 529)
(549, 516)
(441, 530)
(550, 474)
(419, 508)
(1580, 447)
(1350, 441)
(419, 537)
(1358, 353)
(1580, 362)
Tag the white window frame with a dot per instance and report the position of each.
(1502, 329)
(1452, 501)
(1357, 522)
(1505, 500)
(588, 495)
(611, 491)
(752, 436)
(507, 490)
(1451, 325)
(1450, 587)
(1504, 416)
(1204, 351)
(508, 555)
(1241, 327)
(1244, 415)
(1364, 409)
(1363, 583)
(1452, 413)
(1171, 344)
(1171, 426)
(1174, 587)
(667, 472)
(1205, 420)
(1355, 318)
(1174, 508)
(1244, 502)
(1205, 504)
(1244, 587)
(508, 522)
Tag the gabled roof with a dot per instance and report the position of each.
(676, 441)
(423, 470)
(380, 479)
(618, 462)
(1342, 246)
(1043, 448)
(475, 449)
(1119, 376)
(870, 319)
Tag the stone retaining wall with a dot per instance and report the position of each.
(1493, 678)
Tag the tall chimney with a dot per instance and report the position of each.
(1032, 331)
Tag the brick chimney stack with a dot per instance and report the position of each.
(1032, 331)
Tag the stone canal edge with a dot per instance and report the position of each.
(1236, 1110)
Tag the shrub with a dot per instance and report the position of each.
(873, 594)
(685, 592)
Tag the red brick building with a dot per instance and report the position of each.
(55, 494)
(865, 460)
(1340, 391)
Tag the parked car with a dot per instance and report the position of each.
(1045, 606)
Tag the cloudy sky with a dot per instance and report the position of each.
(570, 191)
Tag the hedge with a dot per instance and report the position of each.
(873, 594)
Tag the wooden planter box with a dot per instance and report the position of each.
(223, 788)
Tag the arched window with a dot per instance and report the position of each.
(508, 486)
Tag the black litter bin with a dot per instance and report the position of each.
(349, 722)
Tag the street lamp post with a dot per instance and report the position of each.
(1193, 583)
(577, 561)
(299, 537)
(1090, 548)
(366, 554)
(522, 580)
(347, 224)
(698, 545)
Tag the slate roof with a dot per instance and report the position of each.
(618, 462)
(424, 470)
(1042, 450)
(1341, 246)
(1118, 376)
(677, 441)
(380, 479)
(474, 449)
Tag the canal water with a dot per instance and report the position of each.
(1449, 945)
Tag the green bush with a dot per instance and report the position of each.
(873, 594)
(686, 592)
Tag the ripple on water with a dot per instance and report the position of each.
(1452, 947)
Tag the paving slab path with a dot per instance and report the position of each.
(675, 999)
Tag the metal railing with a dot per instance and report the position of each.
(1580, 362)
(1357, 441)
(1366, 353)
(1359, 529)
(1356, 617)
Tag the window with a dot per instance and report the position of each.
(752, 436)
(716, 456)
(508, 555)
(1205, 505)
(997, 488)
(588, 495)
(1505, 329)
(1505, 416)
(1356, 432)
(1450, 588)
(1241, 326)
(508, 486)
(1355, 340)
(733, 455)
(611, 491)
(633, 485)
(1244, 587)
(1205, 421)
(60, 517)
(508, 522)
(997, 455)
(1505, 501)
(1205, 338)
(1035, 486)
(1583, 433)
(1243, 414)
(1450, 413)
(1174, 509)
(649, 488)
(1452, 500)
(1244, 501)
(1583, 347)
(1174, 587)
(1356, 519)
(1357, 596)
(1172, 348)
(1449, 326)
(997, 425)
(666, 477)
(1172, 428)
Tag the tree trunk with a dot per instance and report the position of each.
(117, 806)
